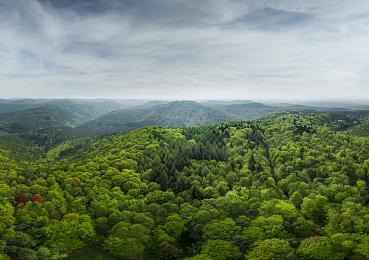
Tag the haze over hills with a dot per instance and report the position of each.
(39, 118)
(90, 108)
(246, 111)
(172, 114)
(180, 114)
(187, 113)
(65, 117)
(46, 123)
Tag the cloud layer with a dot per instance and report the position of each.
(185, 49)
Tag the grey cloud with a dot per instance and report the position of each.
(271, 19)
(184, 49)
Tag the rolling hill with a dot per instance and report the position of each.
(46, 123)
(187, 113)
(43, 126)
(170, 114)
(91, 108)
(245, 111)
(19, 148)
(39, 118)
(249, 110)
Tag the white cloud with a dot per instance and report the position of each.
(185, 49)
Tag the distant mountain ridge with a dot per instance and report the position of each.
(187, 113)
(245, 111)
(47, 122)
(90, 107)
(170, 114)
(38, 118)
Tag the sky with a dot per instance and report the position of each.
(185, 49)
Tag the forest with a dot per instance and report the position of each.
(292, 185)
(184, 130)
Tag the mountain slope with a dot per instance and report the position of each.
(90, 108)
(19, 148)
(249, 110)
(38, 118)
(246, 111)
(170, 114)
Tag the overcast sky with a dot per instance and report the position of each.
(185, 49)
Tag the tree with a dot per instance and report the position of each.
(278, 207)
(303, 228)
(137, 232)
(126, 248)
(37, 198)
(315, 208)
(319, 248)
(174, 226)
(20, 245)
(21, 198)
(7, 220)
(296, 198)
(266, 227)
(270, 249)
(221, 230)
(72, 232)
(221, 250)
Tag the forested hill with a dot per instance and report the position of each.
(38, 118)
(169, 114)
(90, 108)
(292, 186)
(44, 123)
(189, 113)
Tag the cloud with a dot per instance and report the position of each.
(184, 49)
(271, 19)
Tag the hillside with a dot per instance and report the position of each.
(11, 105)
(186, 113)
(246, 111)
(169, 114)
(89, 108)
(19, 148)
(290, 186)
(361, 129)
(46, 123)
(43, 127)
(52, 136)
(38, 118)
(249, 110)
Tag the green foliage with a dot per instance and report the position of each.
(72, 232)
(221, 250)
(174, 226)
(172, 114)
(37, 118)
(88, 253)
(221, 229)
(319, 248)
(315, 208)
(125, 248)
(270, 249)
(285, 187)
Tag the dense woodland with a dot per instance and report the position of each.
(291, 186)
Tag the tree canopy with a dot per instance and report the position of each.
(291, 186)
